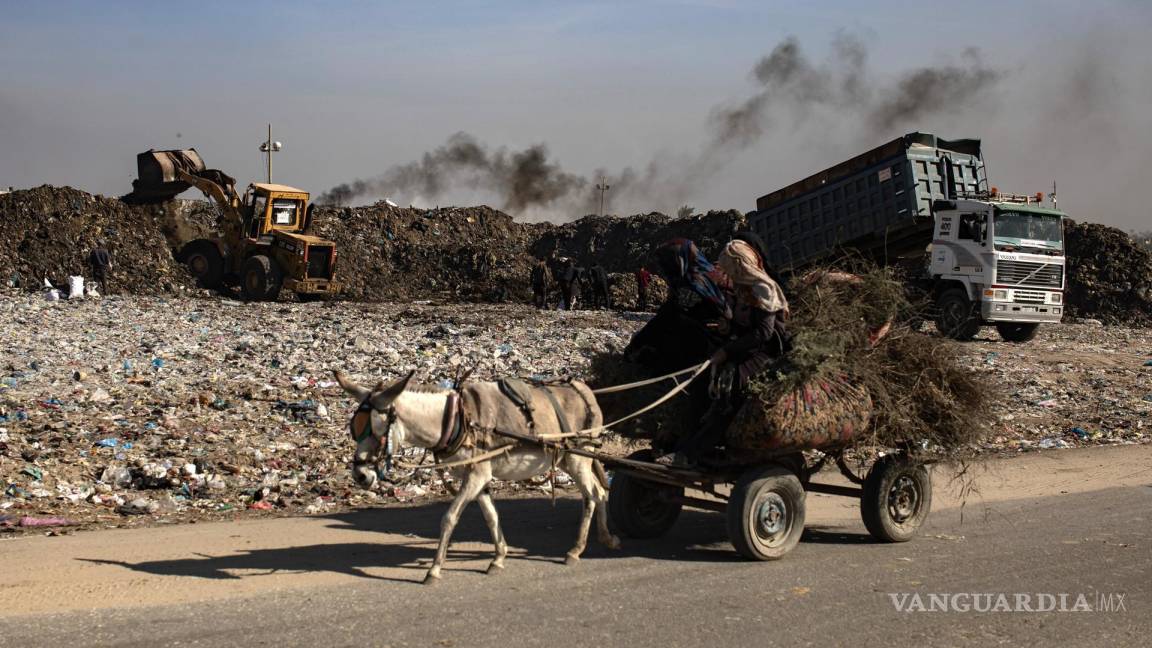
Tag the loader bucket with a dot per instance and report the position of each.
(156, 175)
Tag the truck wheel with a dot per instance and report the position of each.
(262, 279)
(896, 499)
(1015, 332)
(205, 263)
(641, 509)
(766, 513)
(955, 318)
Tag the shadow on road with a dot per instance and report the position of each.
(535, 529)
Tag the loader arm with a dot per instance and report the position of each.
(225, 196)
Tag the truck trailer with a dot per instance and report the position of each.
(924, 203)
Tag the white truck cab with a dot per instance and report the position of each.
(998, 259)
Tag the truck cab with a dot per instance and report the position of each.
(1005, 253)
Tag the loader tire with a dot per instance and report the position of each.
(205, 263)
(262, 279)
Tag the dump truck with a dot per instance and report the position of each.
(982, 257)
(263, 245)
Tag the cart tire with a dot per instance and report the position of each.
(641, 509)
(766, 513)
(896, 499)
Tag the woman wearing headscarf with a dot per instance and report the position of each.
(693, 320)
(759, 313)
(689, 326)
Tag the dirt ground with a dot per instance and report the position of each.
(184, 564)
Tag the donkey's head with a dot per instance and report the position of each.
(371, 425)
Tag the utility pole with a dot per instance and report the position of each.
(603, 188)
(268, 148)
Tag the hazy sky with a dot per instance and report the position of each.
(355, 88)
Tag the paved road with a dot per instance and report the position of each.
(1039, 526)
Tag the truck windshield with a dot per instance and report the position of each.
(1028, 229)
(284, 212)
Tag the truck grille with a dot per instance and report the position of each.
(1030, 296)
(1029, 273)
(319, 261)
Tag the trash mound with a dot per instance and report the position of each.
(846, 328)
(455, 253)
(1109, 275)
(624, 244)
(482, 254)
(48, 232)
(622, 290)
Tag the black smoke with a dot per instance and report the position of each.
(789, 88)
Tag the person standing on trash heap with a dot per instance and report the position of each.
(599, 280)
(759, 336)
(100, 261)
(541, 278)
(569, 283)
(643, 278)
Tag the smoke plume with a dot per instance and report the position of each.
(789, 88)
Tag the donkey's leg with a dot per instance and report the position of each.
(474, 483)
(488, 507)
(600, 487)
(581, 470)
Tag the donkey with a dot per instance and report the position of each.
(458, 426)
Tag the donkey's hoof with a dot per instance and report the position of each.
(571, 559)
(431, 579)
(495, 568)
(612, 542)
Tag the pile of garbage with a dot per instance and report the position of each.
(194, 408)
(624, 244)
(132, 408)
(48, 232)
(1109, 275)
(454, 253)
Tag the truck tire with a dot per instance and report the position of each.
(896, 499)
(261, 279)
(766, 513)
(1017, 332)
(955, 318)
(641, 509)
(205, 263)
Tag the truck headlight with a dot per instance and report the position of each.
(999, 294)
(1056, 298)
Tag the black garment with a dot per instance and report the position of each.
(540, 279)
(759, 337)
(101, 262)
(598, 278)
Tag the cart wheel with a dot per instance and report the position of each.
(766, 513)
(639, 508)
(896, 500)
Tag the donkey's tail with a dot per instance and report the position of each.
(602, 476)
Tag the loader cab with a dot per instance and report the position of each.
(272, 207)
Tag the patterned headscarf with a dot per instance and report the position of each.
(681, 261)
(746, 269)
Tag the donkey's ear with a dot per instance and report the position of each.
(354, 390)
(383, 396)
